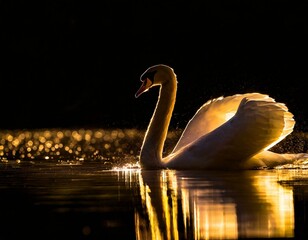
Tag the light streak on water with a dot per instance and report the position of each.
(214, 205)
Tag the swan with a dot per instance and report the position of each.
(233, 132)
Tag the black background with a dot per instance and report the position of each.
(77, 63)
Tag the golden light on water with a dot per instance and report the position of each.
(172, 204)
(176, 207)
(281, 220)
(70, 144)
(212, 219)
(108, 145)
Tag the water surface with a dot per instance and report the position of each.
(86, 184)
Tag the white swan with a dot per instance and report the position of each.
(232, 132)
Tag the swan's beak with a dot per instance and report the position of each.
(146, 84)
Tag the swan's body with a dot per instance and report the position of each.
(234, 132)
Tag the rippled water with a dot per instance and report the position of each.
(86, 184)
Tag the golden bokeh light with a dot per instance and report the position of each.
(70, 144)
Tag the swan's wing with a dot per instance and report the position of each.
(213, 114)
(256, 126)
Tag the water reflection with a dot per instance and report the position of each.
(215, 205)
(68, 179)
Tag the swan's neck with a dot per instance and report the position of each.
(153, 144)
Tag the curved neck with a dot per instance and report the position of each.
(152, 147)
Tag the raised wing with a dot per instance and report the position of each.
(256, 126)
(213, 114)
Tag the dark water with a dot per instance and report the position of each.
(85, 185)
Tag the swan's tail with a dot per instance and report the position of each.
(294, 159)
(270, 159)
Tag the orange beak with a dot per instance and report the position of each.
(146, 84)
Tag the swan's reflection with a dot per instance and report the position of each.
(213, 205)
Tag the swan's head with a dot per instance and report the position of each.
(154, 76)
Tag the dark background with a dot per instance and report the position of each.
(77, 63)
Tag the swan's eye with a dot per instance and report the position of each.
(148, 75)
